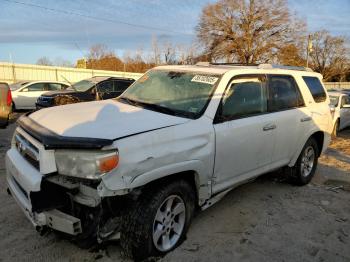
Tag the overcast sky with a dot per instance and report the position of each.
(28, 32)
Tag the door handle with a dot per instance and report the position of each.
(305, 119)
(269, 127)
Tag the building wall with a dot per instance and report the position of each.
(11, 73)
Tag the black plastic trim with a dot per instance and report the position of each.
(51, 140)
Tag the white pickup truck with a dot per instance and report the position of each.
(177, 140)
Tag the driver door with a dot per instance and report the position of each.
(244, 132)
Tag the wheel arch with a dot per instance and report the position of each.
(190, 176)
(319, 136)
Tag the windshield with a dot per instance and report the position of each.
(82, 85)
(183, 94)
(18, 85)
(334, 100)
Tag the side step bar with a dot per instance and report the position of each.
(60, 221)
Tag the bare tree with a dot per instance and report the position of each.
(44, 61)
(329, 56)
(246, 31)
(99, 51)
(292, 55)
(169, 52)
(156, 53)
(59, 61)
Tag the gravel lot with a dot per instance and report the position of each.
(266, 220)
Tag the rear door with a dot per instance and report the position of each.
(344, 112)
(28, 96)
(244, 132)
(291, 117)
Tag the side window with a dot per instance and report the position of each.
(37, 87)
(121, 86)
(283, 93)
(54, 86)
(105, 87)
(316, 88)
(245, 97)
(345, 101)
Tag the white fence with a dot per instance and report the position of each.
(17, 72)
(337, 85)
(11, 73)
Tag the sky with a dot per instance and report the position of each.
(28, 32)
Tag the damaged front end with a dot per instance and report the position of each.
(55, 179)
(72, 206)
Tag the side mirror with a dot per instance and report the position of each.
(93, 91)
(25, 89)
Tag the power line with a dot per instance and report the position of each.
(94, 17)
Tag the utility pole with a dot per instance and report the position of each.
(308, 50)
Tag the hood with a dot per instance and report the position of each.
(59, 92)
(108, 119)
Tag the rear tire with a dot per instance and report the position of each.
(158, 222)
(305, 167)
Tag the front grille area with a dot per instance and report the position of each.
(27, 150)
(20, 187)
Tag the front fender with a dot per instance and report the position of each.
(124, 184)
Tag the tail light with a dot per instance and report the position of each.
(9, 98)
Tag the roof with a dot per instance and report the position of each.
(222, 68)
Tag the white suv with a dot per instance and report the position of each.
(137, 167)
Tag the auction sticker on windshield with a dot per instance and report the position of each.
(205, 79)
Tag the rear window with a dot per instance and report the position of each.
(316, 88)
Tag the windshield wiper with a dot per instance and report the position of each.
(158, 108)
(128, 101)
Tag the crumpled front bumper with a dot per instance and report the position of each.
(22, 180)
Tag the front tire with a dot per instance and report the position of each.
(305, 167)
(159, 220)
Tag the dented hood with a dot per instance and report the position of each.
(107, 119)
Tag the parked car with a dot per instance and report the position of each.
(340, 106)
(5, 104)
(26, 93)
(95, 88)
(177, 140)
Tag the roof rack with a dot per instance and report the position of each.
(259, 66)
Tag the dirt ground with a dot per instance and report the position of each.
(266, 220)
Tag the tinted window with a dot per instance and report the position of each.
(54, 86)
(316, 88)
(105, 87)
(334, 100)
(38, 87)
(245, 97)
(283, 93)
(121, 86)
(345, 100)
